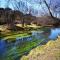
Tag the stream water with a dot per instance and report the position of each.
(11, 47)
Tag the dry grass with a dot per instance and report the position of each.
(32, 25)
(50, 51)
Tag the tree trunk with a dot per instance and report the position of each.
(48, 9)
(23, 22)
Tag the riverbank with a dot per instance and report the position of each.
(10, 35)
(7, 34)
(20, 48)
(50, 51)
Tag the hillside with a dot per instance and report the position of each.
(50, 51)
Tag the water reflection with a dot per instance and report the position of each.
(54, 33)
(48, 33)
(41, 34)
(13, 48)
(2, 48)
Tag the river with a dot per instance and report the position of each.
(13, 50)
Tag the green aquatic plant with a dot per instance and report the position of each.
(50, 51)
(19, 50)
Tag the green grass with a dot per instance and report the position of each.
(15, 36)
(26, 46)
(49, 51)
(20, 50)
(11, 36)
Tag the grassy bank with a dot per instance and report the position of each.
(21, 49)
(13, 35)
(50, 51)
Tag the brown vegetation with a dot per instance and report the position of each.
(13, 17)
(50, 51)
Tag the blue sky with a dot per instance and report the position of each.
(31, 4)
(34, 3)
(2, 3)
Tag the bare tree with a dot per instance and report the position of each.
(9, 15)
(48, 6)
(56, 8)
(17, 6)
(52, 8)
